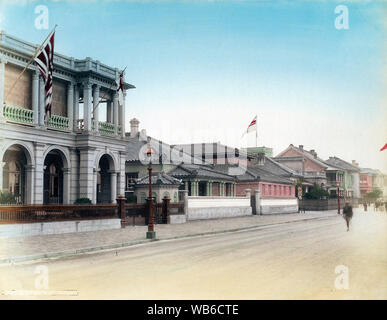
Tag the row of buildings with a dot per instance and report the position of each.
(85, 151)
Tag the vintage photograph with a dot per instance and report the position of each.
(193, 150)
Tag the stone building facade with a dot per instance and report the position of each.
(75, 153)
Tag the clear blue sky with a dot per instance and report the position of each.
(203, 69)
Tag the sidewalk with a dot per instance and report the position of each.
(62, 245)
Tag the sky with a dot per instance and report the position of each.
(204, 69)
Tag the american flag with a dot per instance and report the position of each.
(120, 89)
(45, 63)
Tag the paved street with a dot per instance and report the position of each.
(296, 260)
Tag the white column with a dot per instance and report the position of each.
(115, 112)
(74, 180)
(95, 174)
(70, 105)
(66, 185)
(86, 169)
(87, 106)
(95, 108)
(257, 201)
(39, 172)
(123, 117)
(29, 188)
(76, 108)
(2, 164)
(109, 116)
(2, 71)
(113, 187)
(122, 176)
(42, 101)
(35, 96)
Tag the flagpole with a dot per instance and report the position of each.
(29, 63)
(104, 94)
(256, 133)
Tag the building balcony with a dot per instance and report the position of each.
(104, 128)
(58, 122)
(314, 174)
(18, 115)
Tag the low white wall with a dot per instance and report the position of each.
(177, 218)
(44, 228)
(272, 206)
(217, 207)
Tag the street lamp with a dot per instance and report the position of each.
(338, 196)
(151, 234)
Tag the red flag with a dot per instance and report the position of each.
(384, 148)
(45, 63)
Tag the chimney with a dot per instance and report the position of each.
(314, 153)
(301, 147)
(134, 127)
(143, 133)
(355, 163)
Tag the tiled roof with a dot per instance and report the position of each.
(136, 147)
(368, 170)
(206, 148)
(159, 178)
(339, 163)
(197, 171)
(308, 154)
(269, 171)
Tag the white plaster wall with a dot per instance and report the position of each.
(217, 202)
(35, 229)
(279, 202)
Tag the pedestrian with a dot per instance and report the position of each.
(365, 206)
(347, 214)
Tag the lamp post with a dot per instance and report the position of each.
(151, 234)
(338, 196)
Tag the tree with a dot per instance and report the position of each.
(316, 193)
(7, 198)
(373, 195)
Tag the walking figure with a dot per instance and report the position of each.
(347, 214)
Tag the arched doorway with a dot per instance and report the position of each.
(53, 178)
(14, 175)
(106, 180)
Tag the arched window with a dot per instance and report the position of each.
(166, 194)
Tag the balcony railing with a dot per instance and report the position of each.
(106, 128)
(58, 122)
(18, 114)
(308, 174)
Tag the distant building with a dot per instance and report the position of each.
(310, 168)
(347, 173)
(371, 179)
(254, 151)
